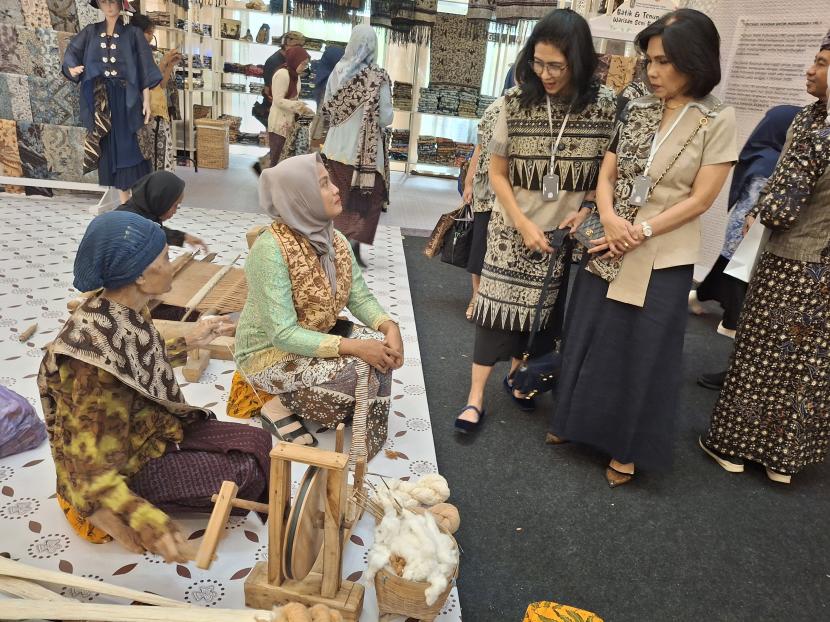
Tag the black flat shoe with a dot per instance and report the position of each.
(526, 404)
(462, 426)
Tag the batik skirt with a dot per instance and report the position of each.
(326, 391)
(156, 143)
(121, 163)
(509, 293)
(774, 408)
(361, 212)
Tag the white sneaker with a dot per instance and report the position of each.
(694, 304)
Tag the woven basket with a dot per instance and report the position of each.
(406, 598)
(212, 143)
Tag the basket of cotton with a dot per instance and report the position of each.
(414, 564)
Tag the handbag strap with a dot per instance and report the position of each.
(704, 120)
(560, 236)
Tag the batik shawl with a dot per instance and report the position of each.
(512, 10)
(581, 149)
(362, 90)
(122, 342)
(796, 174)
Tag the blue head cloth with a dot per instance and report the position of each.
(116, 249)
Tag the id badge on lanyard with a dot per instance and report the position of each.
(550, 182)
(643, 184)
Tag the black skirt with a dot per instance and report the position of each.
(727, 290)
(621, 368)
(478, 246)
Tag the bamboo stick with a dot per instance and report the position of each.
(28, 589)
(11, 568)
(44, 609)
(200, 295)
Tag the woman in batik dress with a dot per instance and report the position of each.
(774, 408)
(297, 358)
(358, 106)
(560, 108)
(127, 446)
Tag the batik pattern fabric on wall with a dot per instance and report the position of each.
(457, 52)
(36, 13)
(15, 102)
(32, 155)
(481, 9)
(63, 42)
(87, 14)
(10, 12)
(64, 150)
(13, 58)
(620, 72)
(513, 10)
(9, 154)
(55, 101)
(64, 15)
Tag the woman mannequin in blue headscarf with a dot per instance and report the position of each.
(358, 105)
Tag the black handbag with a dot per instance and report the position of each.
(260, 112)
(538, 375)
(459, 239)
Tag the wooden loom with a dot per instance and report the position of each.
(306, 538)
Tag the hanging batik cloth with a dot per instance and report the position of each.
(457, 52)
(481, 9)
(342, 11)
(512, 10)
(381, 16)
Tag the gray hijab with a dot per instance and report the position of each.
(290, 193)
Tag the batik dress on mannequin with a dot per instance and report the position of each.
(114, 66)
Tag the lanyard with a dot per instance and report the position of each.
(559, 137)
(655, 145)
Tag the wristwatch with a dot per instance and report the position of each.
(647, 232)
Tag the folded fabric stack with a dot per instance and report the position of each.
(255, 87)
(427, 149)
(314, 45)
(428, 101)
(339, 44)
(448, 100)
(202, 62)
(399, 149)
(233, 124)
(467, 104)
(160, 18)
(234, 86)
(255, 71)
(402, 96)
(484, 102)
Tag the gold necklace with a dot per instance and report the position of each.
(667, 107)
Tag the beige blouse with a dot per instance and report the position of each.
(715, 143)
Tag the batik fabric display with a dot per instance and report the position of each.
(340, 11)
(511, 11)
(457, 52)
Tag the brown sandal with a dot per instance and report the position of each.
(617, 478)
(470, 308)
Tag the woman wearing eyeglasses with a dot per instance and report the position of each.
(669, 159)
(545, 155)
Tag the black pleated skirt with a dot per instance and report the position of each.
(478, 246)
(621, 368)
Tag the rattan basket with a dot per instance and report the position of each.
(212, 143)
(399, 596)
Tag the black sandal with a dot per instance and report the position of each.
(289, 429)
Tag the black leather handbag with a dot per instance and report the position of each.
(459, 239)
(538, 375)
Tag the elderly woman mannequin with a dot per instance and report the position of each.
(127, 447)
(773, 408)
(115, 67)
(358, 105)
(290, 341)
(670, 156)
(157, 197)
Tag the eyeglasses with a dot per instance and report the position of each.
(554, 69)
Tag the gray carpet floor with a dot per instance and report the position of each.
(540, 523)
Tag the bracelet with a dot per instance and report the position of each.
(591, 205)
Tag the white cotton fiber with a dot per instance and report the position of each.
(431, 556)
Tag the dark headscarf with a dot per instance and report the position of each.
(323, 69)
(153, 196)
(294, 57)
(116, 249)
(762, 149)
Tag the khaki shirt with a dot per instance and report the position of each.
(715, 143)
